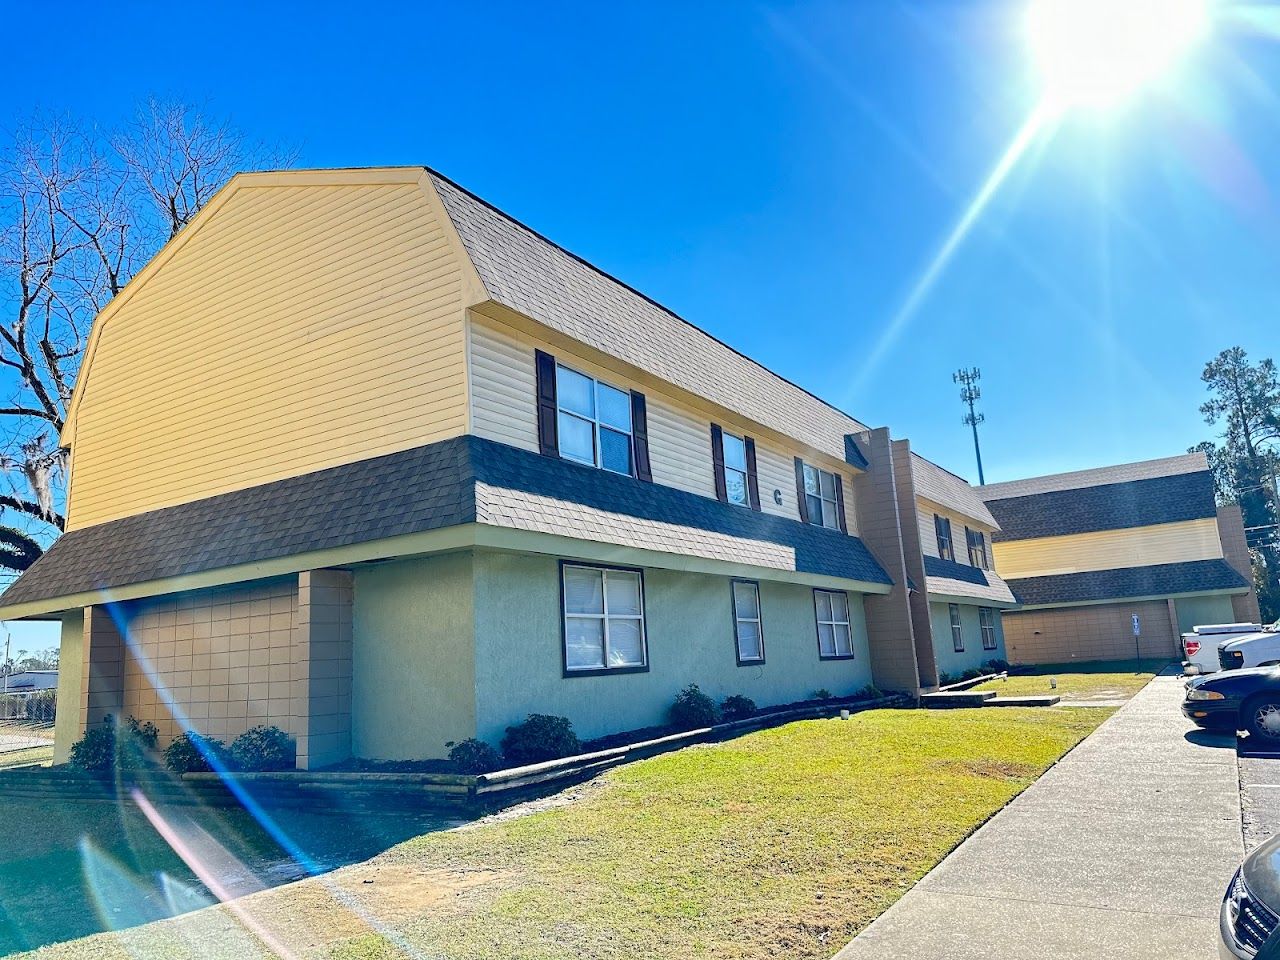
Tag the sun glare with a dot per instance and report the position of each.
(1098, 53)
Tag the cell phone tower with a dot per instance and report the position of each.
(970, 394)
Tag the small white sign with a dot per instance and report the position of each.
(1137, 626)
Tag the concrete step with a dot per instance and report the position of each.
(944, 699)
(1047, 701)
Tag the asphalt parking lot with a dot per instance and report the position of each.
(1259, 791)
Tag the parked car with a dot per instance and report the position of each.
(1251, 908)
(1200, 646)
(1244, 699)
(1252, 650)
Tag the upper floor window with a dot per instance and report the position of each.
(821, 497)
(946, 548)
(593, 421)
(835, 637)
(987, 623)
(603, 612)
(977, 548)
(735, 469)
(957, 628)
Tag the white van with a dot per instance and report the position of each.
(1260, 649)
(1200, 646)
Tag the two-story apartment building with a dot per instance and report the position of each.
(361, 456)
(1091, 553)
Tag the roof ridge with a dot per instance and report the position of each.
(639, 293)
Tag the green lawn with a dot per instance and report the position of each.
(26, 757)
(1097, 680)
(782, 843)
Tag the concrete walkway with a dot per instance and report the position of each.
(1122, 850)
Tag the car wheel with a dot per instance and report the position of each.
(1262, 719)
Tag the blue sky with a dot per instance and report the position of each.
(781, 175)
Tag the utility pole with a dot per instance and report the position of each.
(969, 394)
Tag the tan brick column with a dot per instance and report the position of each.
(102, 681)
(322, 668)
(889, 623)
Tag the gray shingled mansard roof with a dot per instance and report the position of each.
(1121, 473)
(944, 488)
(1160, 580)
(949, 578)
(1112, 506)
(532, 275)
(459, 481)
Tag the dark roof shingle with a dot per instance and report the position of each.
(1160, 580)
(425, 488)
(1112, 506)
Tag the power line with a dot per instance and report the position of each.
(969, 394)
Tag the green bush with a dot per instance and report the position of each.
(737, 707)
(822, 693)
(474, 756)
(869, 692)
(192, 753)
(693, 709)
(263, 750)
(115, 745)
(945, 679)
(996, 666)
(972, 673)
(539, 738)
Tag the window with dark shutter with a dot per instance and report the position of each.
(942, 528)
(800, 497)
(545, 366)
(753, 482)
(717, 462)
(640, 436)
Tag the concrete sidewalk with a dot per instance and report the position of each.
(1122, 850)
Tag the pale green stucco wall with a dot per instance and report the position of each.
(1201, 611)
(974, 656)
(413, 662)
(66, 727)
(690, 636)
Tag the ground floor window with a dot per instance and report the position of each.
(835, 638)
(603, 612)
(748, 630)
(957, 628)
(987, 620)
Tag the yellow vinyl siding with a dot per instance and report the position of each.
(1110, 549)
(503, 408)
(297, 328)
(926, 510)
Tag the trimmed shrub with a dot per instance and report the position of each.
(540, 737)
(474, 756)
(115, 745)
(693, 709)
(869, 692)
(737, 707)
(822, 693)
(996, 666)
(263, 750)
(944, 679)
(972, 673)
(191, 753)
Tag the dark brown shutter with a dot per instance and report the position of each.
(717, 462)
(804, 506)
(640, 437)
(548, 439)
(753, 485)
(840, 503)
